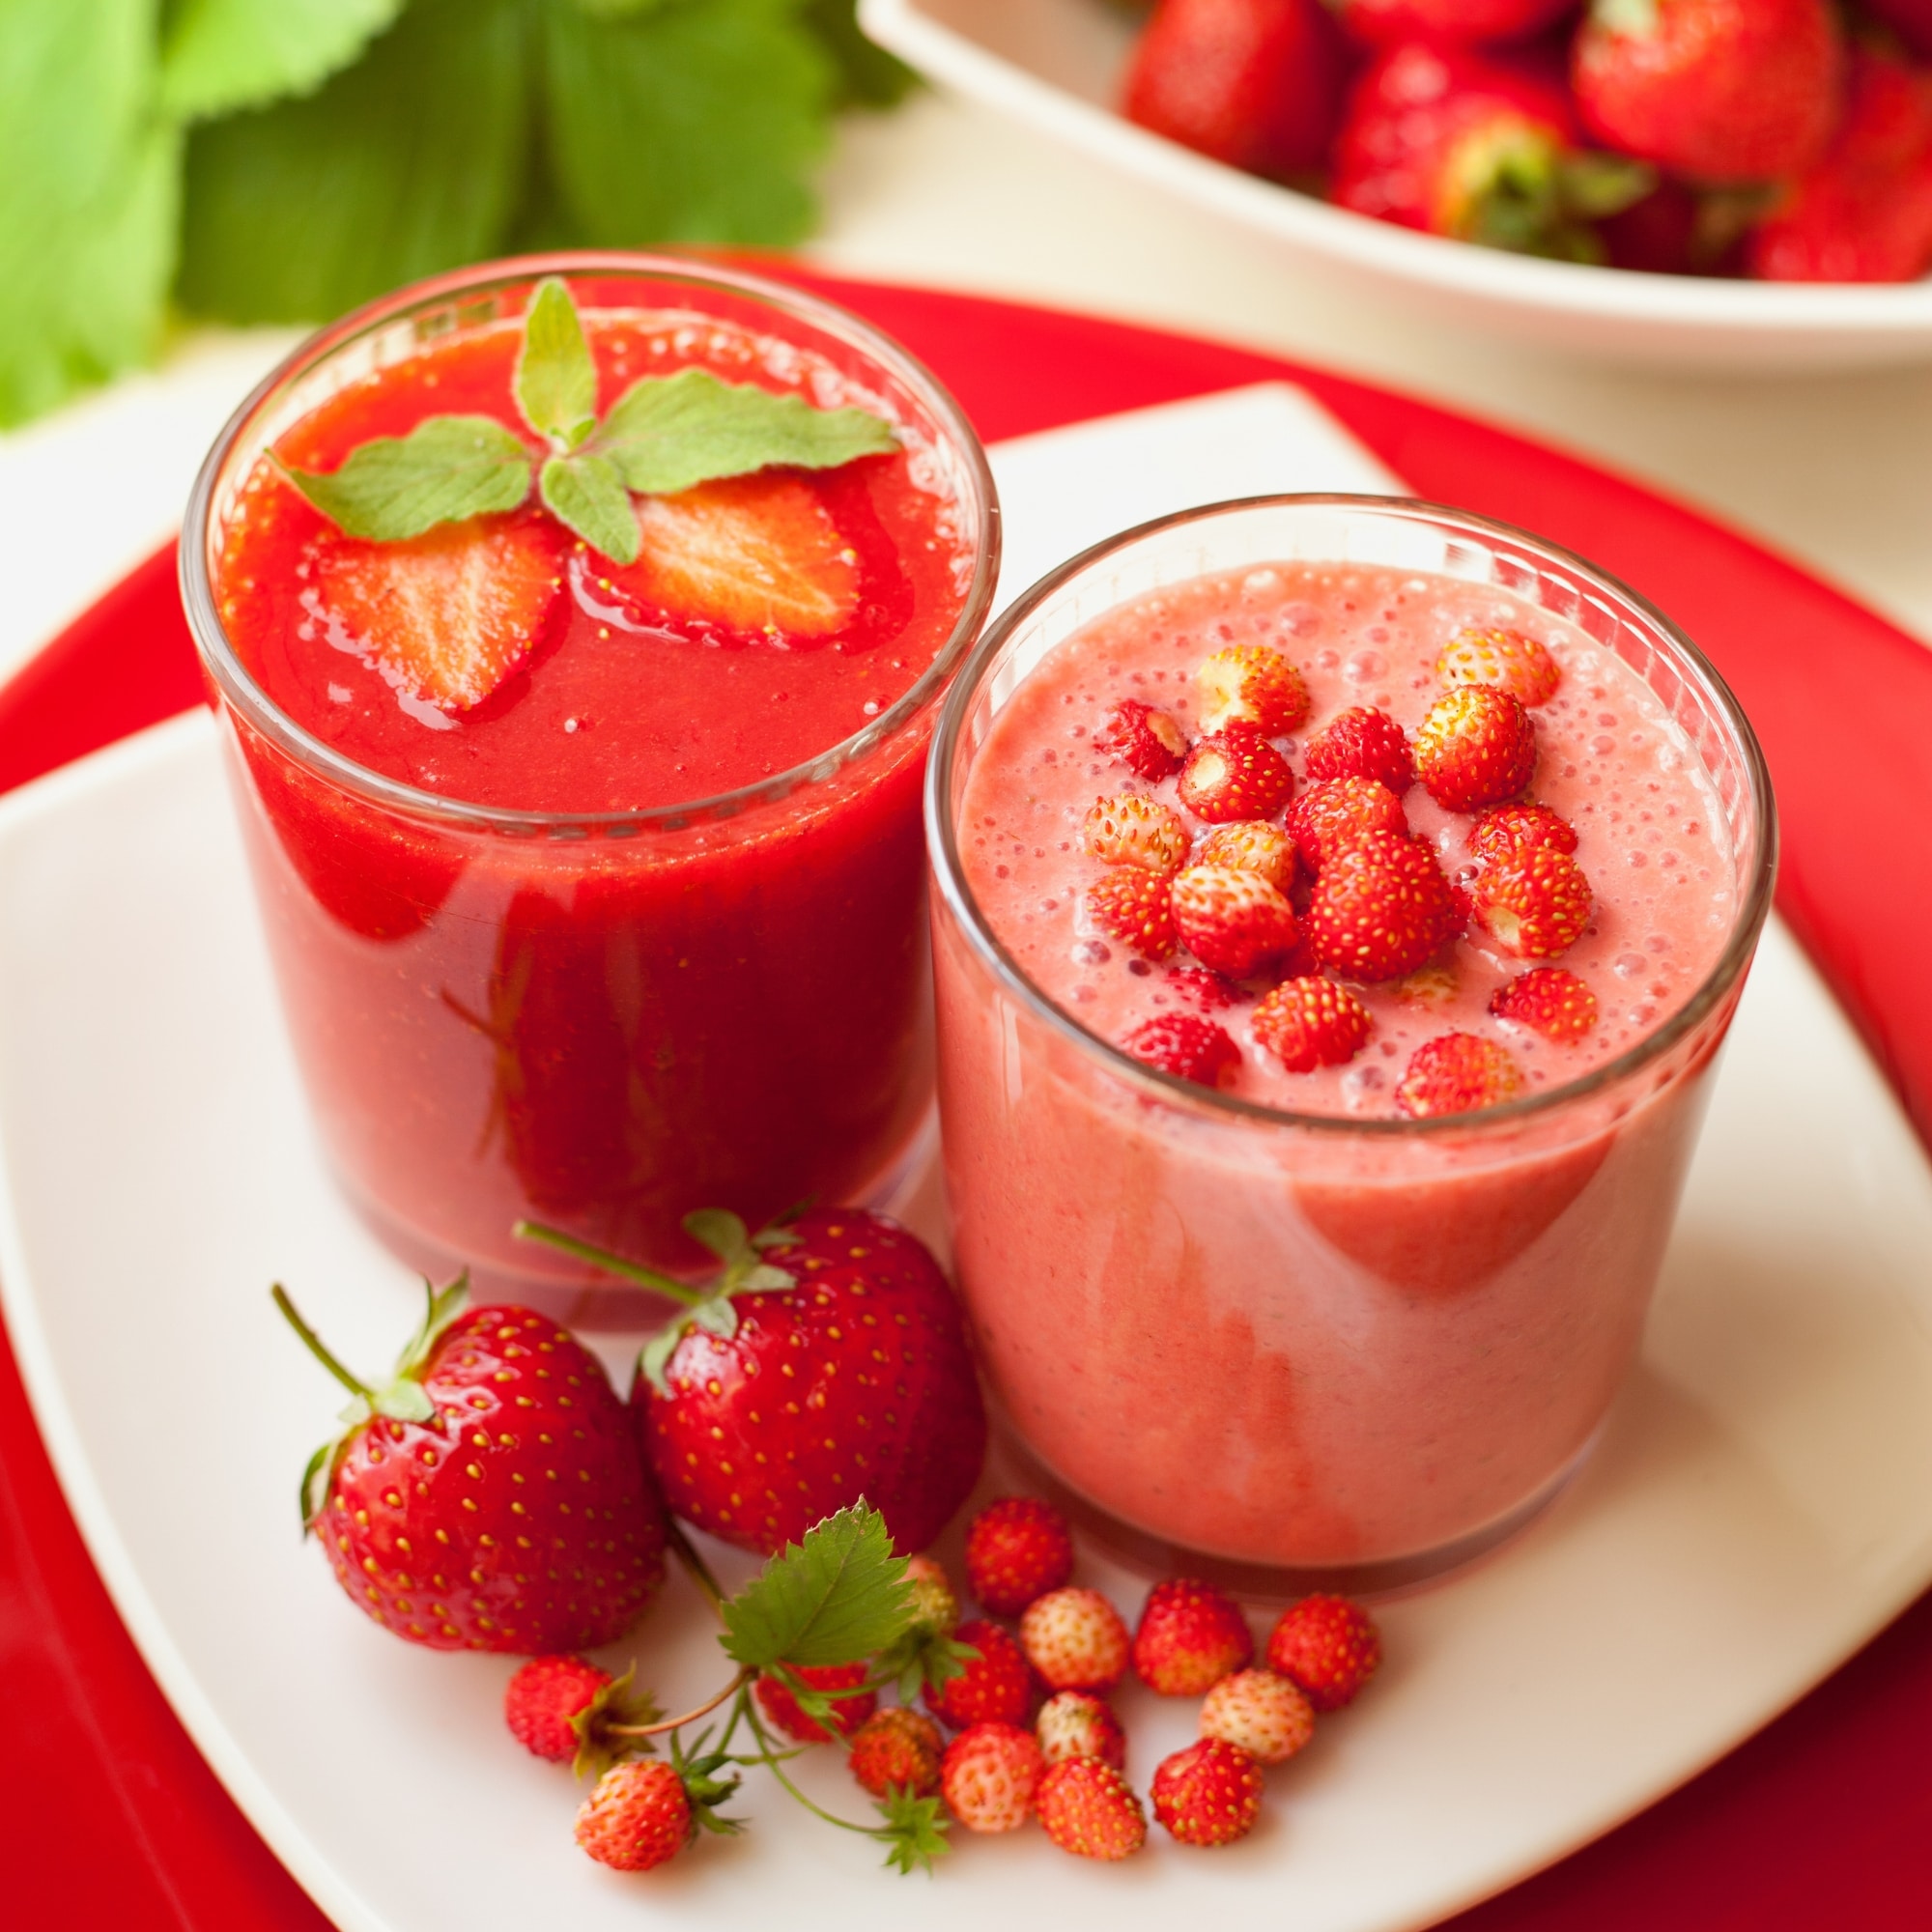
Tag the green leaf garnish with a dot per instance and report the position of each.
(446, 468)
(585, 494)
(836, 1596)
(719, 1230)
(555, 381)
(668, 433)
(219, 55)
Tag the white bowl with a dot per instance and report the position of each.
(1056, 65)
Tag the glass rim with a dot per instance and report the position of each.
(943, 850)
(979, 504)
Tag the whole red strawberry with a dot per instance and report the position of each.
(1457, 1073)
(1191, 1635)
(1252, 685)
(1209, 1794)
(1361, 743)
(1381, 908)
(1533, 905)
(990, 1774)
(1129, 830)
(1017, 1547)
(1476, 148)
(1717, 90)
(899, 1748)
(828, 1361)
(1232, 921)
(638, 1816)
(995, 1688)
(1077, 1723)
(1234, 773)
(1136, 907)
(1327, 1645)
(1253, 83)
(1251, 845)
(1510, 830)
(1267, 1714)
(1148, 742)
(443, 1507)
(1311, 1022)
(1476, 747)
(1511, 660)
(1185, 1045)
(1334, 812)
(1547, 1001)
(1086, 1808)
(543, 1698)
(1448, 22)
(1075, 1641)
(848, 1712)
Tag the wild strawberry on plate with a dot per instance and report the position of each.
(1476, 747)
(899, 1748)
(639, 1816)
(989, 1777)
(1456, 22)
(1478, 149)
(1361, 743)
(1209, 1794)
(1456, 1073)
(1077, 1723)
(1150, 742)
(490, 1496)
(1088, 1808)
(1327, 1645)
(550, 1702)
(1136, 907)
(1863, 214)
(995, 1686)
(1235, 774)
(1191, 1635)
(1549, 1001)
(1267, 1715)
(1534, 906)
(1232, 921)
(1252, 685)
(1251, 845)
(1717, 90)
(1253, 83)
(1309, 1022)
(756, 554)
(1334, 812)
(1017, 1547)
(1186, 1047)
(1511, 660)
(1381, 908)
(1075, 1641)
(1127, 829)
(448, 616)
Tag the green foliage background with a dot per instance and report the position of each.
(281, 161)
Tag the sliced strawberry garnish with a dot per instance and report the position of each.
(1129, 830)
(1188, 1048)
(1506, 660)
(1510, 830)
(1235, 774)
(1477, 747)
(1311, 1022)
(1251, 684)
(1547, 1001)
(1252, 845)
(1132, 906)
(1457, 1073)
(1232, 921)
(756, 554)
(1361, 743)
(1381, 908)
(448, 615)
(1148, 742)
(1334, 812)
(1534, 906)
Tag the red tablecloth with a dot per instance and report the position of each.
(110, 1818)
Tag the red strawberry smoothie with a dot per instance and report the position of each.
(1335, 1341)
(607, 1017)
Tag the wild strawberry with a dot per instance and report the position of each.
(1509, 661)
(989, 1777)
(1361, 744)
(1075, 1641)
(1534, 906)
(1249, 82)
(1189, 1637)
(935, 1606)
(1210, 991)
(1235, 774)
(1251, 685)
(638, 1816)
(1717, 90)
(898, 1748)
(1457, 1073)
(1447, 22)
(1135, 908)
(1333, 813)
(758, 555)
(442, 1505)
(1149, 743)
(995, 1688)
(1260, 1711)
(1251, 845)
(1128, 830)
(1509, 831)
(1184, 1046)
(1076, 1724)
(543, 1698)
(1327, 1645)
(1477, 747)
(1547, 1001)
(1017, 1548)
(1209, 1794)
(1312, 1022)
(448, 616)
(1381, 908)
(1232, 921)
(786, 1402)
(1476, 147)
(1086, 1808)
(1863, 213)
(783, 1708)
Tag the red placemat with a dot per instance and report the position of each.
(112, 1819)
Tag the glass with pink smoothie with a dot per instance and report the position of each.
(1341, 905)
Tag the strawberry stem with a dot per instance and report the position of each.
(569, 1244)
(737, 1683)
(317, 1348)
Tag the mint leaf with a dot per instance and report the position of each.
(586, 495)
(88, 217)
(913, 1832)
(409, 163)
(446, 468)
(220, 55)
(681, 122)
(667, 433)
(836, 1596)
(555, 382)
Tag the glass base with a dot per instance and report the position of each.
(1154, 1557)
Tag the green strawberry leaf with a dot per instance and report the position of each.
(616, 1703)
(835, 1597)
(446, 468)
(914, 1833)
(585, 494)
(667, 433)
(220, 55)
(719, 1230)
(655, 1356)
(555, 382)
(922, 1661)
(717, 1318)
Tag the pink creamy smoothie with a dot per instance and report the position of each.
(1277, 1342)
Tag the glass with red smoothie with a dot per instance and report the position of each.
(1341, 905)
(594, 887)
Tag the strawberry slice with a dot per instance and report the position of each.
(448, 615)
(756, 552)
